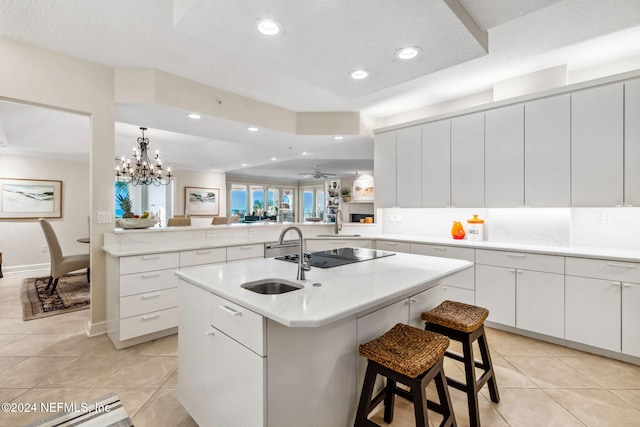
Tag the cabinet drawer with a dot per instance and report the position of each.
(603, 269)
(245, 252)
(462, 279)
(241, 324)
(452, 293)
(203, 256)
(466, 254)
(144, 303)
(144, 324)
(525, 261)
(150, 262)
(138, 283)
(386, 245)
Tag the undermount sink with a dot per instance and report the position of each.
(337, 235)
(271, 286)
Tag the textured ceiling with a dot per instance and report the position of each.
(305, 69)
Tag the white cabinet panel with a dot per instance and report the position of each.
(504, 157)
(424, 301)
(436, 167)
(454, 293)
(467, 161)
(148, 302)
(466, 254)
(384, 167)
(603, 269)
(632, 143)
(547, 152)
(597, 146)
(235, 253)
(147, 323)
(149, 262)
(203, 256)
(244, 325)
(540, 302)
(496, 291)
(526, 261)
(593, 312)
(408, 167)
(631, 319)
(385, 245)
(138, 283)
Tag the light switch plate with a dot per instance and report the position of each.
(104, 217)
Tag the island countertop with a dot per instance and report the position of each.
(344, 291)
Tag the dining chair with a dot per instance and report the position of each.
(178, 221)
(61, 264)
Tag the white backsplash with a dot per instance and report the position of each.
(561, 227)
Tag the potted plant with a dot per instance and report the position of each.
(346, 195)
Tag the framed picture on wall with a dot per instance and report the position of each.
(201, 201)
(363, 190)
(30, 198)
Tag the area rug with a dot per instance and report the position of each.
(71, 294)
(106, 411)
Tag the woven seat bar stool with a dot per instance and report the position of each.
(465, 323)
(409, 356)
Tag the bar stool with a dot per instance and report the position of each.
(465, 323)
(409, 356)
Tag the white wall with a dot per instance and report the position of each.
(21, 240)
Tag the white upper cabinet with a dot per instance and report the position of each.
(384, 169)
(632, 143)
(597, 146)
(467, 161)
(408, 167)
(547, 152)
(436, 169)
(504, 157)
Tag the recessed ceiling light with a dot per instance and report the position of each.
(194, 115)
(359, 74)
(268, 27)
(273, 159)
(253, 129)
(338, 137)
(304, 153)
(407, 52)
(244, 164)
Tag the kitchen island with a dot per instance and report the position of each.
(291, 359)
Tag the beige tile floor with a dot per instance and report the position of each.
(52, 360)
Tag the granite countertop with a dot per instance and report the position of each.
(345, 291)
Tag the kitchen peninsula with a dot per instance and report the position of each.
(291, 359)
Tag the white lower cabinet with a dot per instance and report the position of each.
(631, 319)
(540, 302)
(221, 381)
(496, 291)
(593, 312)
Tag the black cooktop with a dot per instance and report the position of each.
(337, 257)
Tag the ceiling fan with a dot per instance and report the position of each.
(317, 173)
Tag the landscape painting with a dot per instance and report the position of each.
(30, 198)
(201, 201)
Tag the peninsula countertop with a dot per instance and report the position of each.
(343, 291)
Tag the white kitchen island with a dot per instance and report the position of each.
(248, 359)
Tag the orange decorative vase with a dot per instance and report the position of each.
(457, 231)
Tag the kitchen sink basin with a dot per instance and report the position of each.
(271, 286)
(337, 235)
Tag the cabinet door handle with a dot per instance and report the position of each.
(230, 310)
(518, 271)
(616, 283)
(516, 255)
(149, 296)
(210, 333)
(150, 257)
(512, 270)
(412, 300)
(203, 252)
(150, 275)
(626, 285)
(151, 316)
(619, 265)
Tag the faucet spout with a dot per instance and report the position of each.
(338, 224)
(303, 265)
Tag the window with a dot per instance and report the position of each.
(257, 199)
(140, 198)
(308, 208)
(238, 200)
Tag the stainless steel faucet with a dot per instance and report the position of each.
(338, 224)
(303, 265)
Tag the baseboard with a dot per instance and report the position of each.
(98, 328)
(26, 267)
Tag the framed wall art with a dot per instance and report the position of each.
(201, 201)
(363, 190)
(30, 198)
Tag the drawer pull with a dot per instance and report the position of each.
(151, 316)
(391, 244)
(203, 252)
(618, 265)
(336, 242)
(210, 333)
(149, 257)
(438, 248)
(150, 275)
(412, 300)
(246, 248)
(516, 255)
(230, 310)
(149, 296)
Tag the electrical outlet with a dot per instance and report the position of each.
(252, 232)
(211, 234)
(44, 248)
(607, 218)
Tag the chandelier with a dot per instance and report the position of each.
(143, 172)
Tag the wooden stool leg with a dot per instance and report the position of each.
(486, 361)
(470, 377)
(419, 396)
(364, 407)
(449, 419)
(389, 400)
